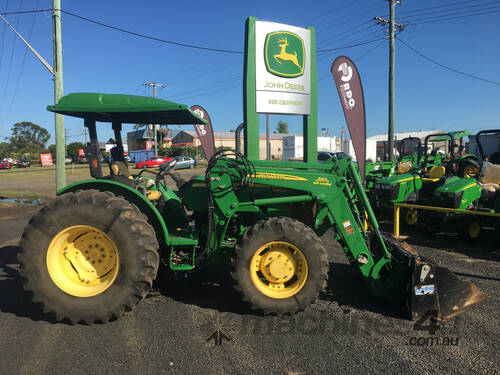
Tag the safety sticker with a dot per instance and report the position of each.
(424, 289)
(348, 227)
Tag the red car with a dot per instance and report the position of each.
(5, 165)
(155, 161)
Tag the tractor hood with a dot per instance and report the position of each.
(398, 178)
(122, 108)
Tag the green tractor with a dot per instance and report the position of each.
(482, 194)
(93, 253)
(450, 176)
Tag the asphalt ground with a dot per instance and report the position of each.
(195, 323)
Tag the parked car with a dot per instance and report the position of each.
(23, 163)
(326, 155)
(68, 160)
(5, 164)
(155, 161)
(184, 162)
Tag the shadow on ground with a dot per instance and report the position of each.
(15, 299)
(213, 290)
(486, 247)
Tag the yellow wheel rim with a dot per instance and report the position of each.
(82, 261)
(279, 269)
(470, 171)
(411, 217)
(474, 229)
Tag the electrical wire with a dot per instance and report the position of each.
(446, 67)
(3, 38)
(24, 60)
(151, 37)
(368, 52)
(453, 10)
(10, 62)
(448, 18)
(348, 46)
(408, 12)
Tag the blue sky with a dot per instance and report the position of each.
(97, 59)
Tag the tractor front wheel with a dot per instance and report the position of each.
(88, 256)
(280, 266)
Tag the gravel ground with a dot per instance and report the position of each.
(177, 328)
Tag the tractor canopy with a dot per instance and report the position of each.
(456, 135)
(122, 108)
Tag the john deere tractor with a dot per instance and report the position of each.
(93, 253)
(432, 178)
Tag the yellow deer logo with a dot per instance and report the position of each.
(285, 56)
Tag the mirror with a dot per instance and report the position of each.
(168, 165)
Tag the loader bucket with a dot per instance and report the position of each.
(434, 291)
(438, 293)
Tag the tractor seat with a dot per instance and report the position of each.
(490, 180)
(119, 168)
(119, 172)
(435, 174)
(404, 167)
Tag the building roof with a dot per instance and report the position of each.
(223, 134)
(400, 136)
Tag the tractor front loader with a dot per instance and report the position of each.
(93, 252)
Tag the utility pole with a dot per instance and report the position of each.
(58, 93)
(56, 72)
(392, 62)
(154, 84)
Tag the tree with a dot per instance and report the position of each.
(28, 137)
(72, 149)
(52, 150)
(282, 127)
(5, 149)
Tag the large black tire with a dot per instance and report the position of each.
(469, 167)
(280, 230)
(116, 218)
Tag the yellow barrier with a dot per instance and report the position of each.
(397, 207)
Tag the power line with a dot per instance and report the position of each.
(26, 12)
(348, 46)
(369, 51)
(149, 36)
(10, 63)
(23, 62)
(447, 67)
(408, 12)
(449, 17)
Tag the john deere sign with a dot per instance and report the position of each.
(280, 77)
(284, 54)
(282, 66)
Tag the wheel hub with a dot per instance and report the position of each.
(278, 269)
(82, 261)
(278, 266)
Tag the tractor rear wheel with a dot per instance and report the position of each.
(280, 266)
(88, 256)
(469, 167)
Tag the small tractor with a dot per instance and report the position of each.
(428, 176)
(93, 253)
(484, 191)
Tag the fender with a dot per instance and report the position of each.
(131, 195)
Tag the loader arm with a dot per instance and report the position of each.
(391, 269)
